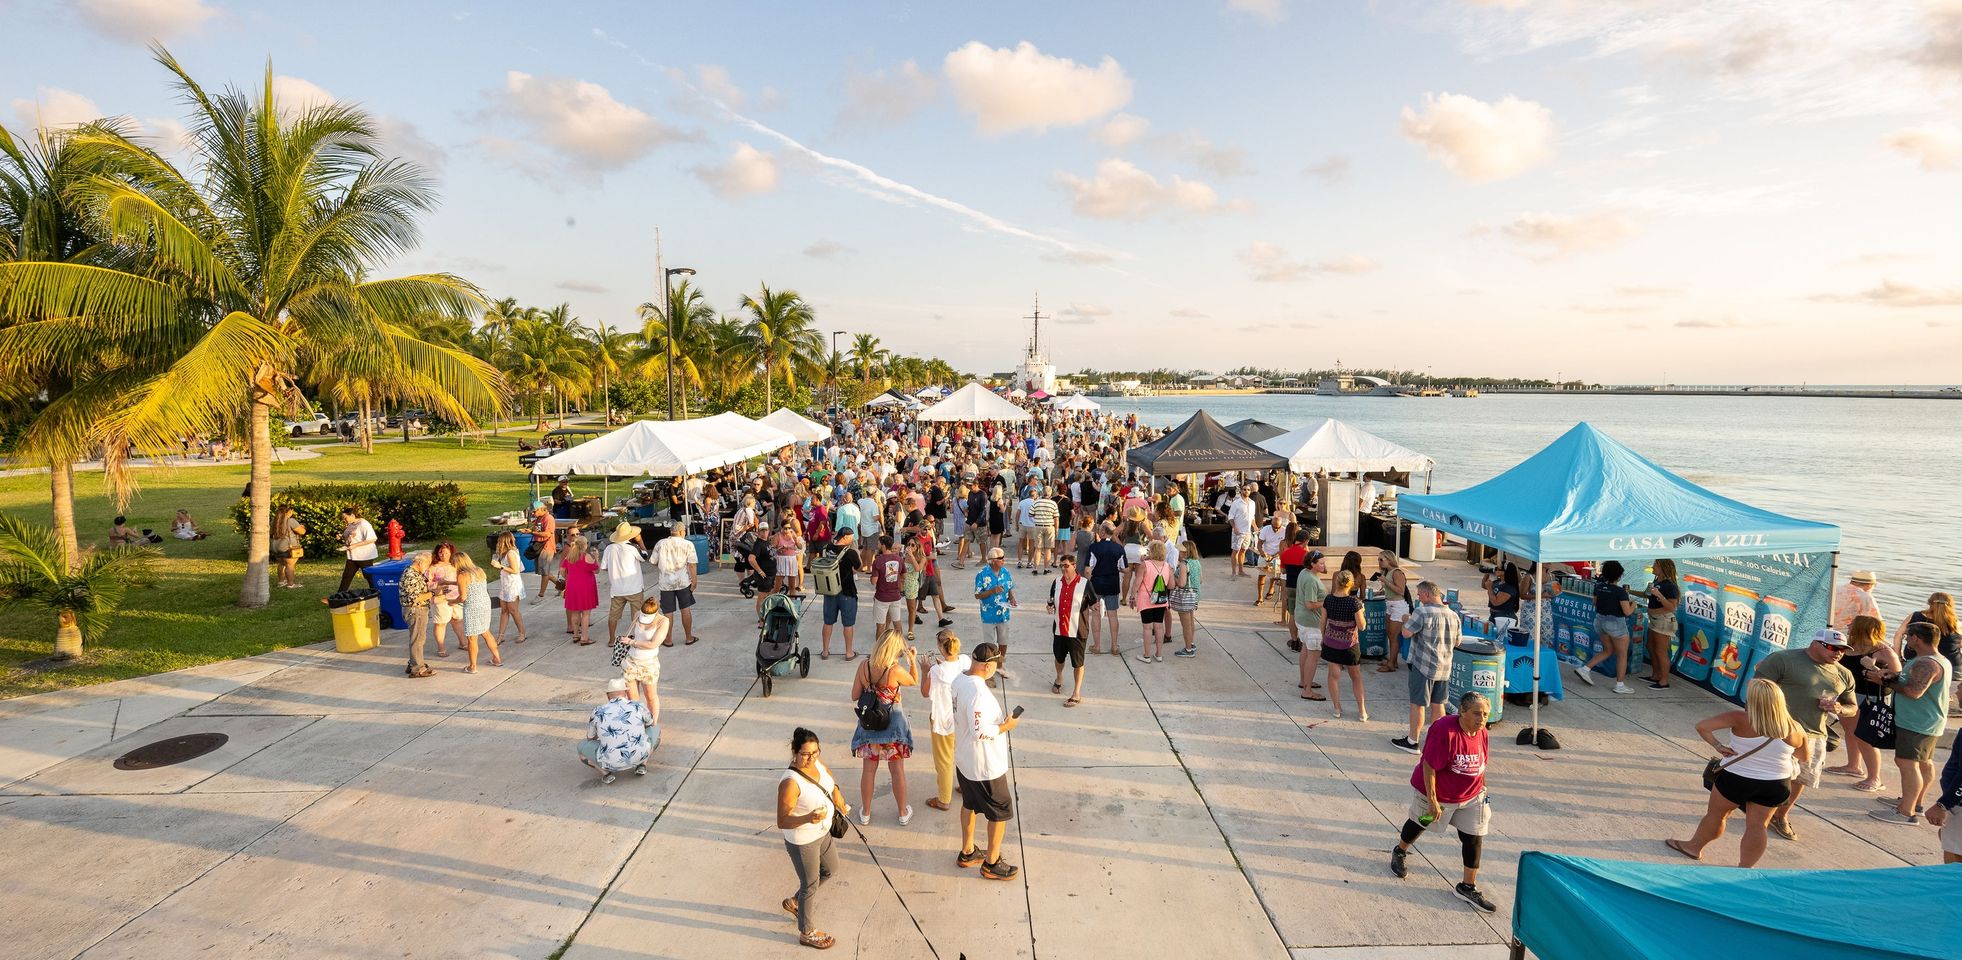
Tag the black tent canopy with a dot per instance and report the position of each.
(1201, 445)
(1254, 431)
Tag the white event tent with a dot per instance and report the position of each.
(800, 428)
(667, 448)
(1074, 401)
(973, 404)
(1332, 446)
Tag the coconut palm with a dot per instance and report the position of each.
(866, 356)
(728, 361)
(783, 337)
(541, 357)
(683, 341)
(266, 249)
(34, 573)
(609, 352)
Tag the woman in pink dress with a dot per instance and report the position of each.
(581, 571)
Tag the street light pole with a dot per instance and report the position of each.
(834, 375)
(667, 321)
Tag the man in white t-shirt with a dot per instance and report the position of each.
(1269, 537)
(981, 763)
(620, 561)
(1240, 515)
(358, 539)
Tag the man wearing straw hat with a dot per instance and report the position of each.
(1855, 600)
(621, 562)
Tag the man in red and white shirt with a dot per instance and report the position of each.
(1070, 603)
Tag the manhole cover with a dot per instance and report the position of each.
(163, 753)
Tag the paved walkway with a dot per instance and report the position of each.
(1189, 808)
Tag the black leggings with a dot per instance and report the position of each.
(1471, 846)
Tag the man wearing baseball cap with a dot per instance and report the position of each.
(981, 763)
(1816, 685)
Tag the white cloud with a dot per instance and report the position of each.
(54, 107)
(167, 136)
(582, 121)
(1186, 313)
(1333, 168)
(399, 138)
(580, 286)
(1272, 11)
(1710, 323)
(293, 96)
(1082, 313)
(1271, 264)
(826, 250)
(714, 81)
(886, 98)
(1223, 160)
(1692, 199)
(1894, 293)
(1121, 131)
(1558, 235)
(1935, 146)
(1025, 89)
(1079, 257)
(1121, 191)
(747, 172)
(1481, 141)
(140, 21)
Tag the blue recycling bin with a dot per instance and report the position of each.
(522, 540)
(1480, 667)
(386, 579)
(701, 542)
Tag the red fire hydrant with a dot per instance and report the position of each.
(394, 540)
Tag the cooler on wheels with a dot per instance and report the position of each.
(386, 579)
(1478, 667)
(357, 625)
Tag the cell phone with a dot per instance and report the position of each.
(1015, 714)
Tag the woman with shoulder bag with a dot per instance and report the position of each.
(882, 677)
(1342, 614)
(1874, 730)
(1151, 597)
(1752, 772)
(287, 531)
(1185, 594)
(810, 812)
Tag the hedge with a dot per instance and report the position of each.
(425, 510)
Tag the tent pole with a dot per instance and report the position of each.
(1539, 614)
(1832, 587)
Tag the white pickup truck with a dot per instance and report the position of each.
(320, 423)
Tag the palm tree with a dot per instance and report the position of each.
(267, 247)
(608, 352)
(728, 361)
(677, 335)
(783, 336)
(865, 356)
(34, 572)
(541, 357)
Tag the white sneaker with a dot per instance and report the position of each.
(1586, 675)
(864, 819)
(906, 817)
(1621, 688)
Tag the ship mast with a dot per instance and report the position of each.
(1035, 337)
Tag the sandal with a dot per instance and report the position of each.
(1056, 687)
(937, 805)
(1071, 702)
(522, 638)
(584, 643)
(790, 906)
(1677, 845)
(497, 663)
(1386, 668)
(1313, 696)
(690, 641)
(442, 652)
(820, 941)
(826, 655)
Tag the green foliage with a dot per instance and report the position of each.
(31, 575)
(640, 396)
(750, 402)
(426, 510)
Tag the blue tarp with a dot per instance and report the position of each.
(1587, 497)
(1576, 908)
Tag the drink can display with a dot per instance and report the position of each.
(1699, 616)
(1774, 633)
(1736, 634)
(1563, 642)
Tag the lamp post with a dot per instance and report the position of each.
(834, 356)
(667, 313)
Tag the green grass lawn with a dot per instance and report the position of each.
(190, 616)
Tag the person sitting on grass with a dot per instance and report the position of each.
(185, 528)
(617, 735)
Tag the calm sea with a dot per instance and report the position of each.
(1885, 471)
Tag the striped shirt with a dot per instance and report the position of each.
(1043, 510)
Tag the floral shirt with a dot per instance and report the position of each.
(620, 726)
(994, 609)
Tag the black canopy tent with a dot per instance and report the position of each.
(1201, 445)
(1254, 431)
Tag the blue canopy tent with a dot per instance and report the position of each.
(1576, 908)
(1585, 496)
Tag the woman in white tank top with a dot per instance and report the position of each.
(807, 797)
(1754, 771)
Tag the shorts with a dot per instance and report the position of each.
(930, 585)
(887, 610)
(622, 603)
(674, 600)
(1311, 638)
(1606, 626)
(788, 567)
(547, 564)
(1909, 745)
(977, 534)
(1151, 615)
(1425, 692)
(1952, 834)
(1808, 771)
(1744, 790)
(1045, 538)
(1063, 535)
(1070, 647)
(1348, 656)
(1396, 610)
(1287, 601)
(637, 670)
(1662, 623)
(995, 633)
(1241, 541)
(841, 608)
(1471, 818)
(1110, 599)
(442, 613)
(989, 798)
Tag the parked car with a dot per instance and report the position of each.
(318, 424)
(557, 441)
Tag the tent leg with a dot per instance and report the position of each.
(1535, 734)
(1516, 950)
(1832, 586)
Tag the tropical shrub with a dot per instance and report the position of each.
(425, 510)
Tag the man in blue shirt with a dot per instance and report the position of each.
(994, 587)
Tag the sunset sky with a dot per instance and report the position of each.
(1724, 191)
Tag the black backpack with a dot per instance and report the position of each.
(874, 714)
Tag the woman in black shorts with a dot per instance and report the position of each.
(1755, 769)
(1342, 623)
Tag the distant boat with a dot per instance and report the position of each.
(1464, 392)
(1357, 385)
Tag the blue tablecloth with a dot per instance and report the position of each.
(1519, 670)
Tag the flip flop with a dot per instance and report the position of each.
(1310, 696)
(1071, 702)
(690, 641)
(1677, 846)
(1385, 668)
(826, 655)
(584, 643)
(1056, 687)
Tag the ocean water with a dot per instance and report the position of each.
(1888, 472)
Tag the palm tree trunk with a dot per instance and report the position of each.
(257, 588)
(68, 637)
(367, 427)
(61, 483)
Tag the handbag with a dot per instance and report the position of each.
(1339, 634)
(874, 714)
(1876, 724)
(533, 549)
(1718, 763)
(620, 653)
(838, 822)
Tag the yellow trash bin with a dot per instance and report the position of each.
(357, 626)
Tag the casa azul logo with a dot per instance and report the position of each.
(1454, 521)
(1689, 541)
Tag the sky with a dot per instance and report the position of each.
(1623, 191)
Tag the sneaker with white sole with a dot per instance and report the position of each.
(1895, 816)
(1187, 652)
(1406, 745)
(1622, 688)
(1472, 895)
(864, 819)
(1586, 676)
(906, 816)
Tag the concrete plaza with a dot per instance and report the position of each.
(1187, 808)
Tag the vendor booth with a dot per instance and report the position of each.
(1586, 497)
(887, 400)
(1578, 908)
(1075, 402)
(801, 428)
(1201, 446)
(973, 404)
(1333, 448)
(667, 448)
(1254, 431)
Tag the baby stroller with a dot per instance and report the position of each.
(748, 580)
(777, 654)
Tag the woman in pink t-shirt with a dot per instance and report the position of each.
(1152, 597)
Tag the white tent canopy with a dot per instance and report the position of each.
(800, 428)
(973, 404)
(888, 400)
(1332, 446)
(930, 393)
(1018, 393)
(1074, 401)
(663, 448)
